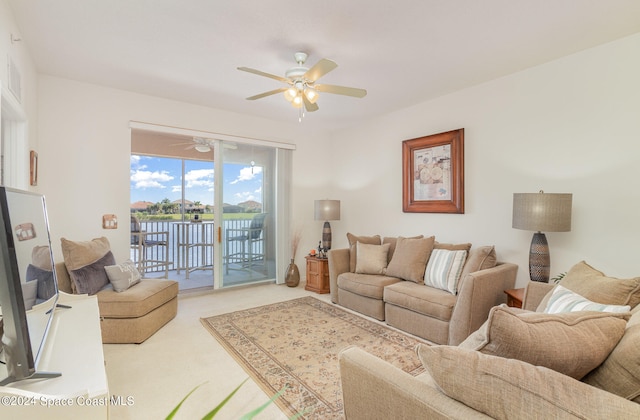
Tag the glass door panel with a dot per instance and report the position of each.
(248, 213)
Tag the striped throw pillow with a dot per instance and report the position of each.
(564, 300)
(444, 269)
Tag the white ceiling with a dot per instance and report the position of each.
(403, 52)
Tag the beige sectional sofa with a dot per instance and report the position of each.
(397, 294)
(531, 366)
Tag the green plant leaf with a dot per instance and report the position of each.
(175, 410)
(213, 412)
(258, 410)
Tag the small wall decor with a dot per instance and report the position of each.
(433, 173)
(109, 221)
(33, 168)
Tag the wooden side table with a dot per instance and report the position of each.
(515, 297)
(317, 274)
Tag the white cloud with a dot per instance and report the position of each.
(197, 178)
(244, 196)
(148, 179)
(247, 174)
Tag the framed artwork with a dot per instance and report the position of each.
(433, 173)
(33, 168)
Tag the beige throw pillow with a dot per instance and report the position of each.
(372, 259)
(506, 388)
(392, 241)
(410, 258)
(85, 262)
(596, 286)
(353, 252)
(572, 343)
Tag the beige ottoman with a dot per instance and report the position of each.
(132, 316)
(136, 314)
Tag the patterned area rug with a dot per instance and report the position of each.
(296, 343)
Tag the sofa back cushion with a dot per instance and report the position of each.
(353, 251)
(572, 343)
(480, 258)
(620, 372)
(594, 285)
(507, 388)
(410, 258)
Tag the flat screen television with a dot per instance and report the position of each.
(28, 283)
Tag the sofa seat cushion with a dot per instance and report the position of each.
(422, 299)
(138, 300)
(368, 285)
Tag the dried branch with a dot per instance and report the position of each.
(295, 241)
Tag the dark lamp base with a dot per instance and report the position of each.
(539, 260)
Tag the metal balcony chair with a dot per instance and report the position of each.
(250, 244)
(141, 241)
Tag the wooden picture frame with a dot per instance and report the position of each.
(433, 173)
(33, 168)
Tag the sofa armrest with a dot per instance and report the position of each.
(534, 293)
(479, 292)
(339, 260)
(375, 389)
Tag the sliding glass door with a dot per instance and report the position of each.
(248, 232)
(222, 200)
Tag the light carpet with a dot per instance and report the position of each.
(296, 344)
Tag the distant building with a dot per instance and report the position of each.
(140, 206)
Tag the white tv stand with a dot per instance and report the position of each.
(73, 348)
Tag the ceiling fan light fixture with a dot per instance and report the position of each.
(290, 93)
(297, 101)
(311, 94)
(202, 148)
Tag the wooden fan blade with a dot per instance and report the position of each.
(261, 73)
(262, 95)
(321, 68)
(308, 105)
(341, 90)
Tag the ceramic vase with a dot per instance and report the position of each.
(292, 278)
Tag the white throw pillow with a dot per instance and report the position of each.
(564, 300)
(444, 269)
(123, 276)
(371, 259)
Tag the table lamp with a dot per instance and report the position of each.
(327, 210)
(541, 212)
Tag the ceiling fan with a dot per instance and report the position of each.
(204, 145)
(302, 89)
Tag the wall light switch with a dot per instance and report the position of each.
(109, 221)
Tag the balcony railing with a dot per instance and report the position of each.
(190, 244)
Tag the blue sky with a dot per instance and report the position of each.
(154, 179)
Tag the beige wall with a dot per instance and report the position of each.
(571, 125)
